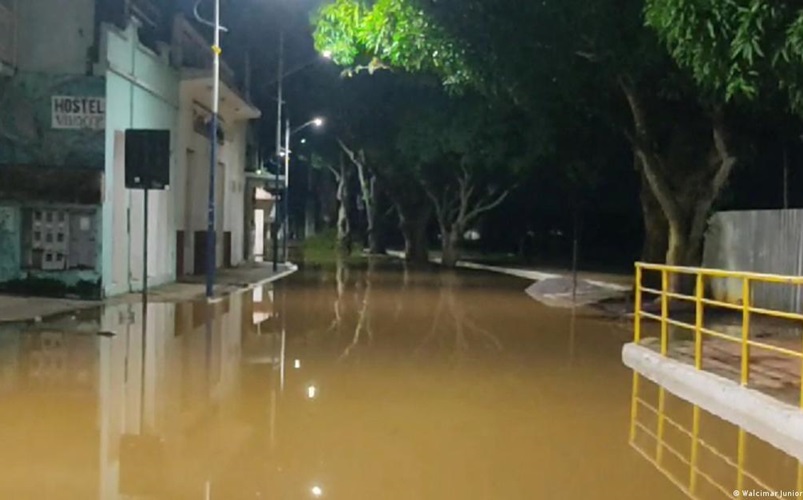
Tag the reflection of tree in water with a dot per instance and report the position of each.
(453, 330)
(403, 292)
(363, 307)
(341, 280)
(452, 325)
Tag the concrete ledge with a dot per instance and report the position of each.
(773, 421)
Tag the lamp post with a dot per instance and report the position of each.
(279, 106)
(213, 128)
(281, 74)
(288, 133)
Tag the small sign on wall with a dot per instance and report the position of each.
(71, 112)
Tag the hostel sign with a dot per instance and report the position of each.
(79, 113)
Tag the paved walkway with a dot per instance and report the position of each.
(772, 373)
(17, 309)
(610, 282)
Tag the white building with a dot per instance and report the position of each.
(65, 213)
(192, 180)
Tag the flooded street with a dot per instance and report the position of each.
(347, 383)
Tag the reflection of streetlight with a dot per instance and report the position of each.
(297, 364)
(312, 391)
(317, 492)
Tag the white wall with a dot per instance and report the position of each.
(192, 180)
(235, 189)
(141, 92)
(55, 36)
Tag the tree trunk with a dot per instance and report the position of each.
(413, 223)
(450, 247)
(685, 176)
(656, 234)
(310, 216)
(376, 241)
(343, 223)
(656, 227)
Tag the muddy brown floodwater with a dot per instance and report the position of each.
(367, 382)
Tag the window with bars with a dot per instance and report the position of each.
(60, 239)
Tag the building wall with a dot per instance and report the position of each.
(192, 180)
(142, 92)
(29, 132)
(55, 35)
(10, 227)
(51, 159)
(235, 189)
(134, 87)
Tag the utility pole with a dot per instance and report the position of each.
(210, 228)
(286, 200)
(279, 106)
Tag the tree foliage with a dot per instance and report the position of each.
(577, 62)
(388, 33)
(738, 49)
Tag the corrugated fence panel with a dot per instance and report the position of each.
(766, 241)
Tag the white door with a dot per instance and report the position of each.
(259, 234)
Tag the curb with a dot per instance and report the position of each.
(519, 273)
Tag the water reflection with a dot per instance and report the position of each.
(701, 454)
(90, 416)
(356, 382)
(453, 327)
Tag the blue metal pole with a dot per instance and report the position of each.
(210, 230)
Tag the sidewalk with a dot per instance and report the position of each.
(17, 309)
(555, 287)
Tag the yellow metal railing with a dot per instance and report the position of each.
(687, 446)
(700, 275)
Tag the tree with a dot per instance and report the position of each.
(464, 154)
(370, 194)
(746, 49)
(368, 114)
(599, 53)
(339, 168)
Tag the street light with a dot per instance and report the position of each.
(210, 229)
(281, 74)
(315, 122)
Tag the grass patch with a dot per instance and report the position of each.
(322, 249)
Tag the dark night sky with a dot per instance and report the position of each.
(612, 211)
